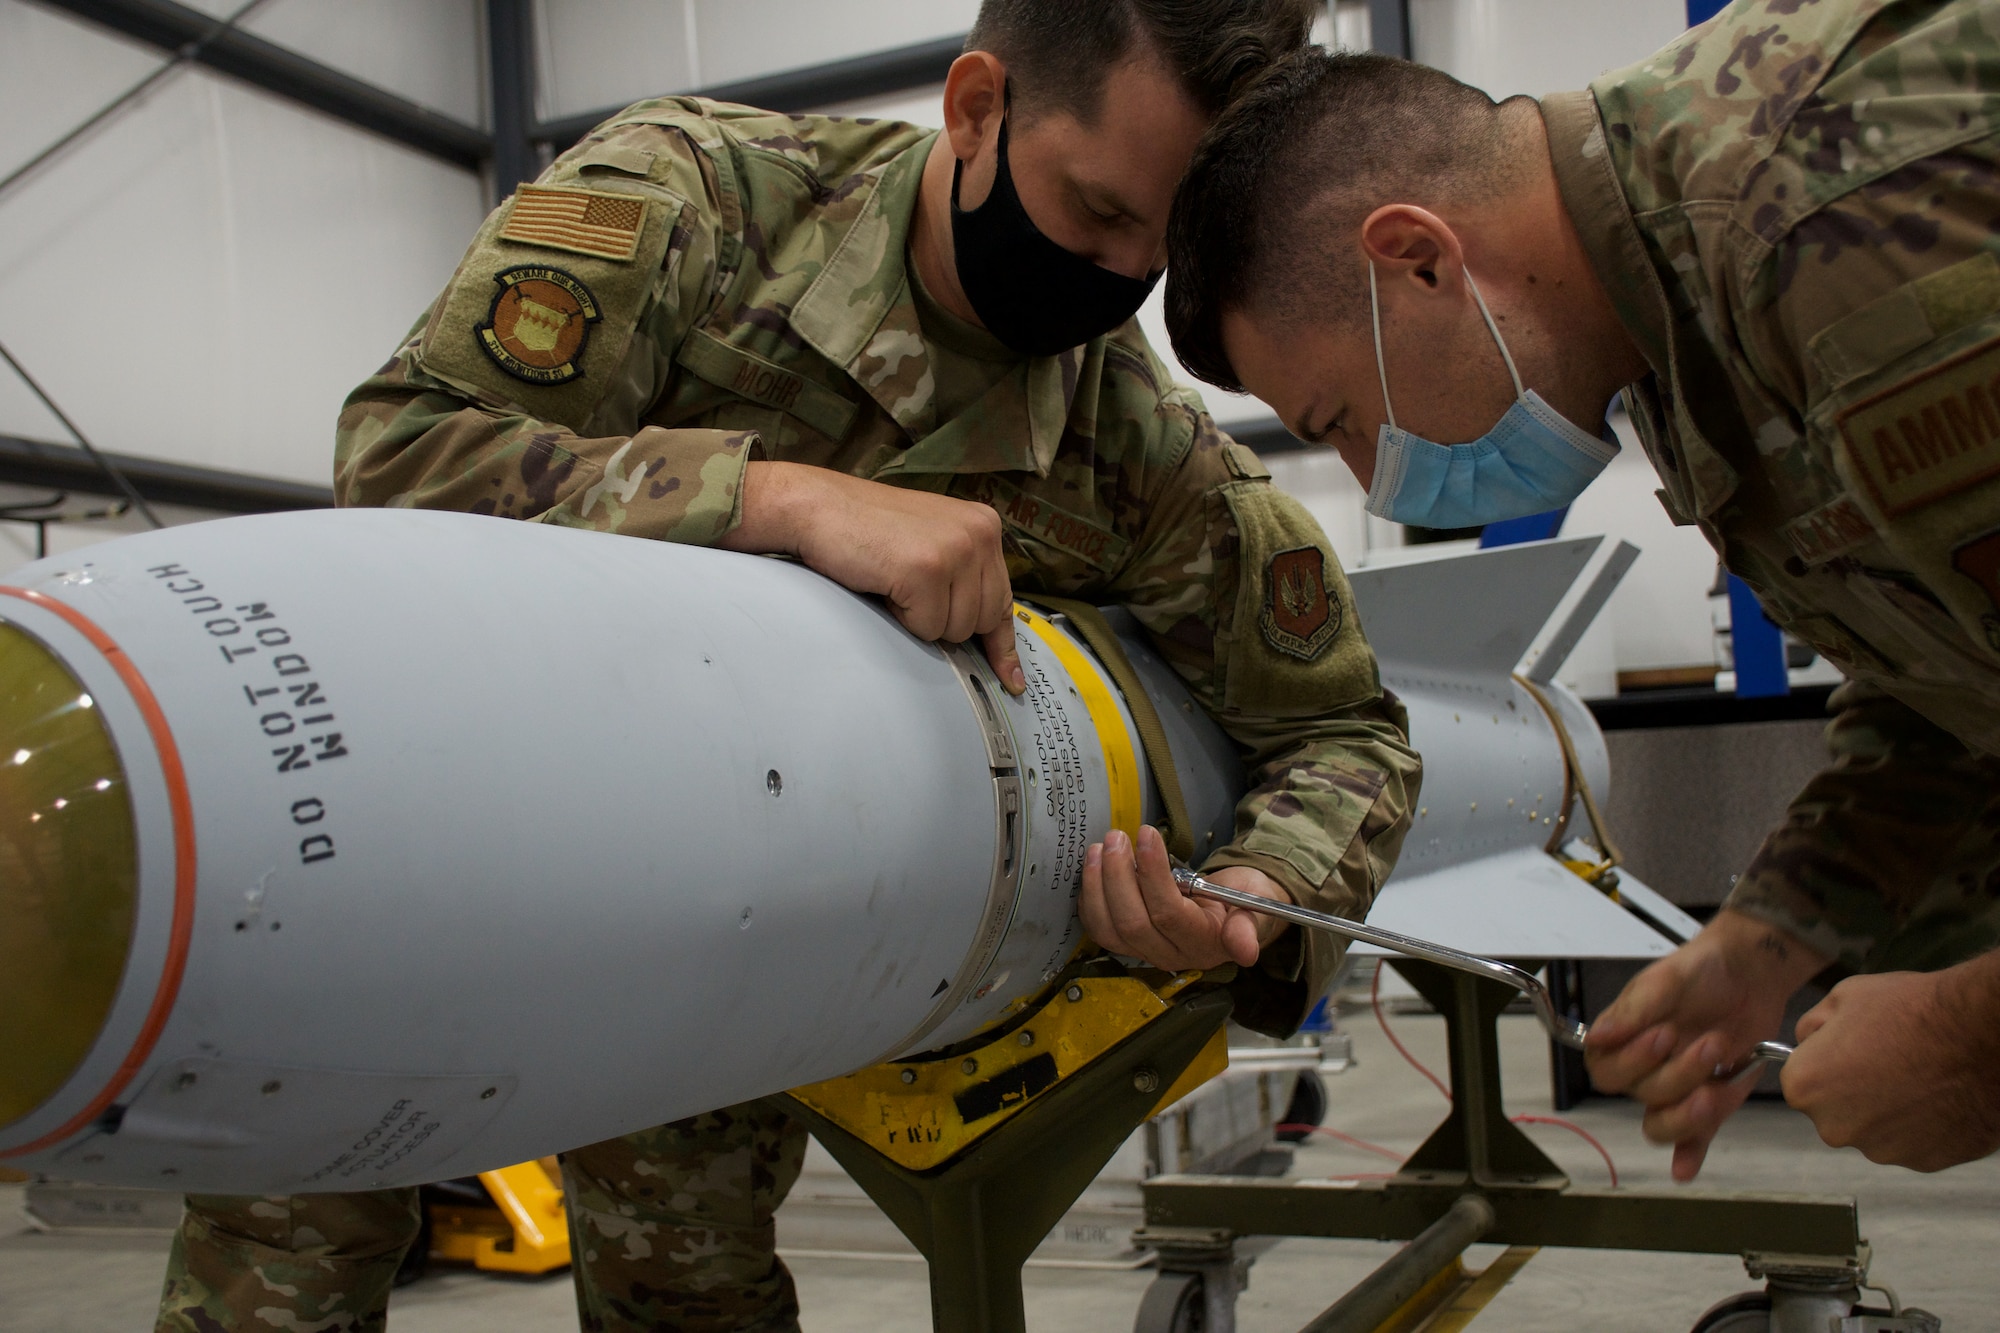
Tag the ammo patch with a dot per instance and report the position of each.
(588, 222)
(1087, 541)
(538, 325)
(1930, 436)
(1299, 618)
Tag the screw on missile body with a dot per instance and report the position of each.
(970, 1066)
(1074, 995)
(271, 1088)
(1026, 1038)
(909, 1076)
(489, 1094)
(1146, 1080)
(185, 1081)
(743, 922)
(170, 1171)
(774, 783)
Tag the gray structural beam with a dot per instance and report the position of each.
(287, 74)
(877, 74)
(510, 70)
(25, 462)
(1389, 27)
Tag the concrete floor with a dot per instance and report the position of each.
(1934, 1237)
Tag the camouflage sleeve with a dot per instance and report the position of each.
(521, 392)
(1882, 860)
(1245, 597)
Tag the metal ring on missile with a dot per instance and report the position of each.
(1127, 795)
(182, 809)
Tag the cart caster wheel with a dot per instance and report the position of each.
(1747, 1313)
(1308, 1107)
(1174, 1303)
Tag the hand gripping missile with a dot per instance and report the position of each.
(345, 850)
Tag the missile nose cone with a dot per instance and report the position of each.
(68, 873)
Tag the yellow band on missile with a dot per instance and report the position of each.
(1121, 752)
(69, 874)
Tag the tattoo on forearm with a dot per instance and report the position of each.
(1771, 944)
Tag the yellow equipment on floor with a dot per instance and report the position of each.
(523, 1231)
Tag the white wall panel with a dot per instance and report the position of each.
(609, 53)
(744, 38)
(606, 53)
(1659, 615)
(204, 278)
(1508, 47)
(430, 51)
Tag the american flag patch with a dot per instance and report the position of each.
(584, 221)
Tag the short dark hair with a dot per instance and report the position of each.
(1058, 52)
(1291, 170)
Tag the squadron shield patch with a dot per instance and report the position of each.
(1299, 618)
(539, 323)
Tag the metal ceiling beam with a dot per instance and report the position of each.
(1265, 435)
(510, 79)
(877, 74)
(59, 467)
(1389, 27)
(274, 69)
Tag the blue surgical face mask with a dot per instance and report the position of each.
(1532, 461)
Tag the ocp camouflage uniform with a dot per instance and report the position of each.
(1796, 211)
(696, 286)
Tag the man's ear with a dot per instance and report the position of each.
(1405, 241)
(975, 96)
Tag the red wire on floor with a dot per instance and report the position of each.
(1577, 1130)
(1375, 1000)
(1362, 1144)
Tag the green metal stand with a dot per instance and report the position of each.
(978, 1217)
(1477, 1151)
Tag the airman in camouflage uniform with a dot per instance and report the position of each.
(1784, 231)
(696, 288)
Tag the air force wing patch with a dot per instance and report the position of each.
(1299, 618)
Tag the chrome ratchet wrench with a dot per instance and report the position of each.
(1565, 1030)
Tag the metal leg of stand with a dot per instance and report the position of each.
(1476, 1142)
(978, 1217)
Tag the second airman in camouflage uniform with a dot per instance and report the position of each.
(697, 289)
(1783, 232)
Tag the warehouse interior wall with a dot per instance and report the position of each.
(205, 276)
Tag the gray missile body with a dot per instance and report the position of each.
(346, 850)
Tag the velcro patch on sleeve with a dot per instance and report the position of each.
(586, 222)
(1299, 618)
(1930, 436)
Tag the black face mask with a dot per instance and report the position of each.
(1030, 293)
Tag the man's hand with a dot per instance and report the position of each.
(1700, 1009)
(935, 559)
(1901, 1066)
(1131, 905)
